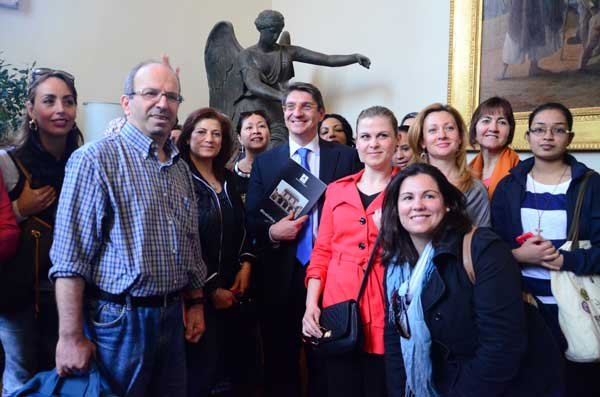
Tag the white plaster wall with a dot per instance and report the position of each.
(407, 42)
(100, 40)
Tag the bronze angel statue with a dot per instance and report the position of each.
(254, 78)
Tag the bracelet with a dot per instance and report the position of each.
(194, 301)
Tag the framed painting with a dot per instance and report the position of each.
(529, 52)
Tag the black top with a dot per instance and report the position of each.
(366, 200)
(222, 230)
(241, 179)
(44, 170)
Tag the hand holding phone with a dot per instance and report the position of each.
(523, 237)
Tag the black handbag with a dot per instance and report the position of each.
(340, 323)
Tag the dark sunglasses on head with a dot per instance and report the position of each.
(39, 72)
(400, 309)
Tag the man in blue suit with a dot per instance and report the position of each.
(284, 247)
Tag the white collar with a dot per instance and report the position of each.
(313, 146)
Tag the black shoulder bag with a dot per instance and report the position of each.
(342, 328)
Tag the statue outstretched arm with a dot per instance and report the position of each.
(305, 55)
(254, 84)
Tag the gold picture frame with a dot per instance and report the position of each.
(466, 24)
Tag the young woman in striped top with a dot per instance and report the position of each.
(538, 197)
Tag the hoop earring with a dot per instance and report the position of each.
(33, 125)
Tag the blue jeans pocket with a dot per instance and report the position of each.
(107, 314)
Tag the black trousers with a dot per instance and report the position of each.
(281, 333)
(582, 379)
(356, 374)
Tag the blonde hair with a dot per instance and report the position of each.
(415, 139)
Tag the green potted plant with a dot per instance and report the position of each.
(13, 95)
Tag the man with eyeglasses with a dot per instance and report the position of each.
(285, 246)
(126, 248)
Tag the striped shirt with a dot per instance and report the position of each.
(548, 205)
(127, 222)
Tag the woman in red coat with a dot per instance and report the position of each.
(347, 233)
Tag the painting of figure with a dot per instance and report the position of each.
(536, 51)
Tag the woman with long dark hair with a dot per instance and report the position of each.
(460, 333)
(335, 128)
(33, 172)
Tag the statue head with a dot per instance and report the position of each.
(269, 19)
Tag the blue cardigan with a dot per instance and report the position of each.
(506, 213)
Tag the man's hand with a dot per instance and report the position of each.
(164, 58)
(33, 201)
(286, 229)
(73, 354)
(194, 323)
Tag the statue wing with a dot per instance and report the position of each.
(285, 38)
(221, 62)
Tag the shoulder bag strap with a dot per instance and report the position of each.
(466, 254)
(573, 235)
(370, 264)
(21, 167)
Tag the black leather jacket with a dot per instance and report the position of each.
(221, 253)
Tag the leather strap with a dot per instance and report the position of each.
(363, 284)
(21, 167)
(573, 235)
(467, 258)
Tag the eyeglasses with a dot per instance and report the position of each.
(39, 72)
(557, 131)
(305, 107)
(400, 308)
(154, 95)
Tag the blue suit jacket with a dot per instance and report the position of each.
(278, 262)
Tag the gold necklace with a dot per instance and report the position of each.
(537, 208)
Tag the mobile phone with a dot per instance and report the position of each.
(523, 237)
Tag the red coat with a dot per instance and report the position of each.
(344, 243)
(9, 231)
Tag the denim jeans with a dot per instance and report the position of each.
(19, 339)
(140, 349)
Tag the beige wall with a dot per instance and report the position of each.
(407, 42)
(98, 41)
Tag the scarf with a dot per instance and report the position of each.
(415, 350)
(507, 160)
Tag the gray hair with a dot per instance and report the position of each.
(128, 87)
